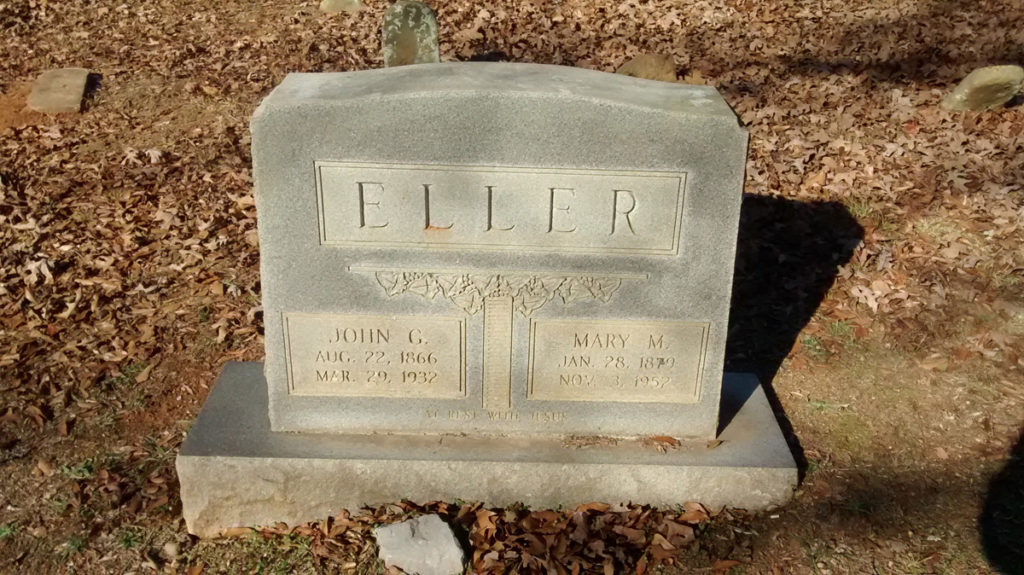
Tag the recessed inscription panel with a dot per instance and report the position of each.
(616, 361)
(375, 356)
(469, 207)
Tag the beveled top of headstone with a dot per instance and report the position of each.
(496, 248)
(507, 80)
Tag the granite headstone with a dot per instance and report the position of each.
(492, 282)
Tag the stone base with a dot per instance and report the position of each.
(234, 471)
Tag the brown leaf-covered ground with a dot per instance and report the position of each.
(879, 293)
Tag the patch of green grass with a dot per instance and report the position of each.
(374, 568)
(936, 228)
(1007, 279)
(1016, 324)
(204, 314)
(137, 400)
(8, 530)
(75, 544)
(885, 223)
(155, 452)
(83, 470)
(106, 419)
(814, 465)
(859, 208)
(859, 506)
(851, 434)
(825, 405)
(204, 347)
(129, 538)
(59, 505)
(278, 556)
(127, 375)
(814, 347)
(841, 330)
(814, 555)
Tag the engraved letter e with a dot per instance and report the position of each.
(552, 209)
(363, 204)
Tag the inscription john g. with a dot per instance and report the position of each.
(375, 356)
(533, 209)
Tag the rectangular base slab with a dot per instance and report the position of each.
(234, 471)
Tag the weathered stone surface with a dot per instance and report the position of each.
(422, 546)
(496, 248)
(986, 88)
(59, 91)
(409, 35)
(235, 471)
(334, 6)
(650, 67)
(467, 268)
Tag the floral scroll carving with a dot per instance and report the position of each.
(529, 291)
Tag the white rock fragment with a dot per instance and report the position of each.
(171, 551)
(423, 546)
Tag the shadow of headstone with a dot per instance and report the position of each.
(1002, 518)
(787, 257)
(93, 84)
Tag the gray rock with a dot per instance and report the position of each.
(650, 67)
(335, 6)
(410, 35)
(986, 88)
(59, 91)
(424, 546)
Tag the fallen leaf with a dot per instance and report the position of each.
(724, 565)
(236, 532)
(45, 467)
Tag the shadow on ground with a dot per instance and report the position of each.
(1002, 518)
(924, 43)
(787, 257)
(912, 519)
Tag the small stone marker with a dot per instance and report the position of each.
(335, 6)
(986, 88)
(650, 67)
(469, 270)
(421, 546)
(59, 91)
(409, 35)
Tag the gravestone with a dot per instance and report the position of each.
(335, 6)
(59, 91)
(986, 88)
(409, 34)
(495, 282)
